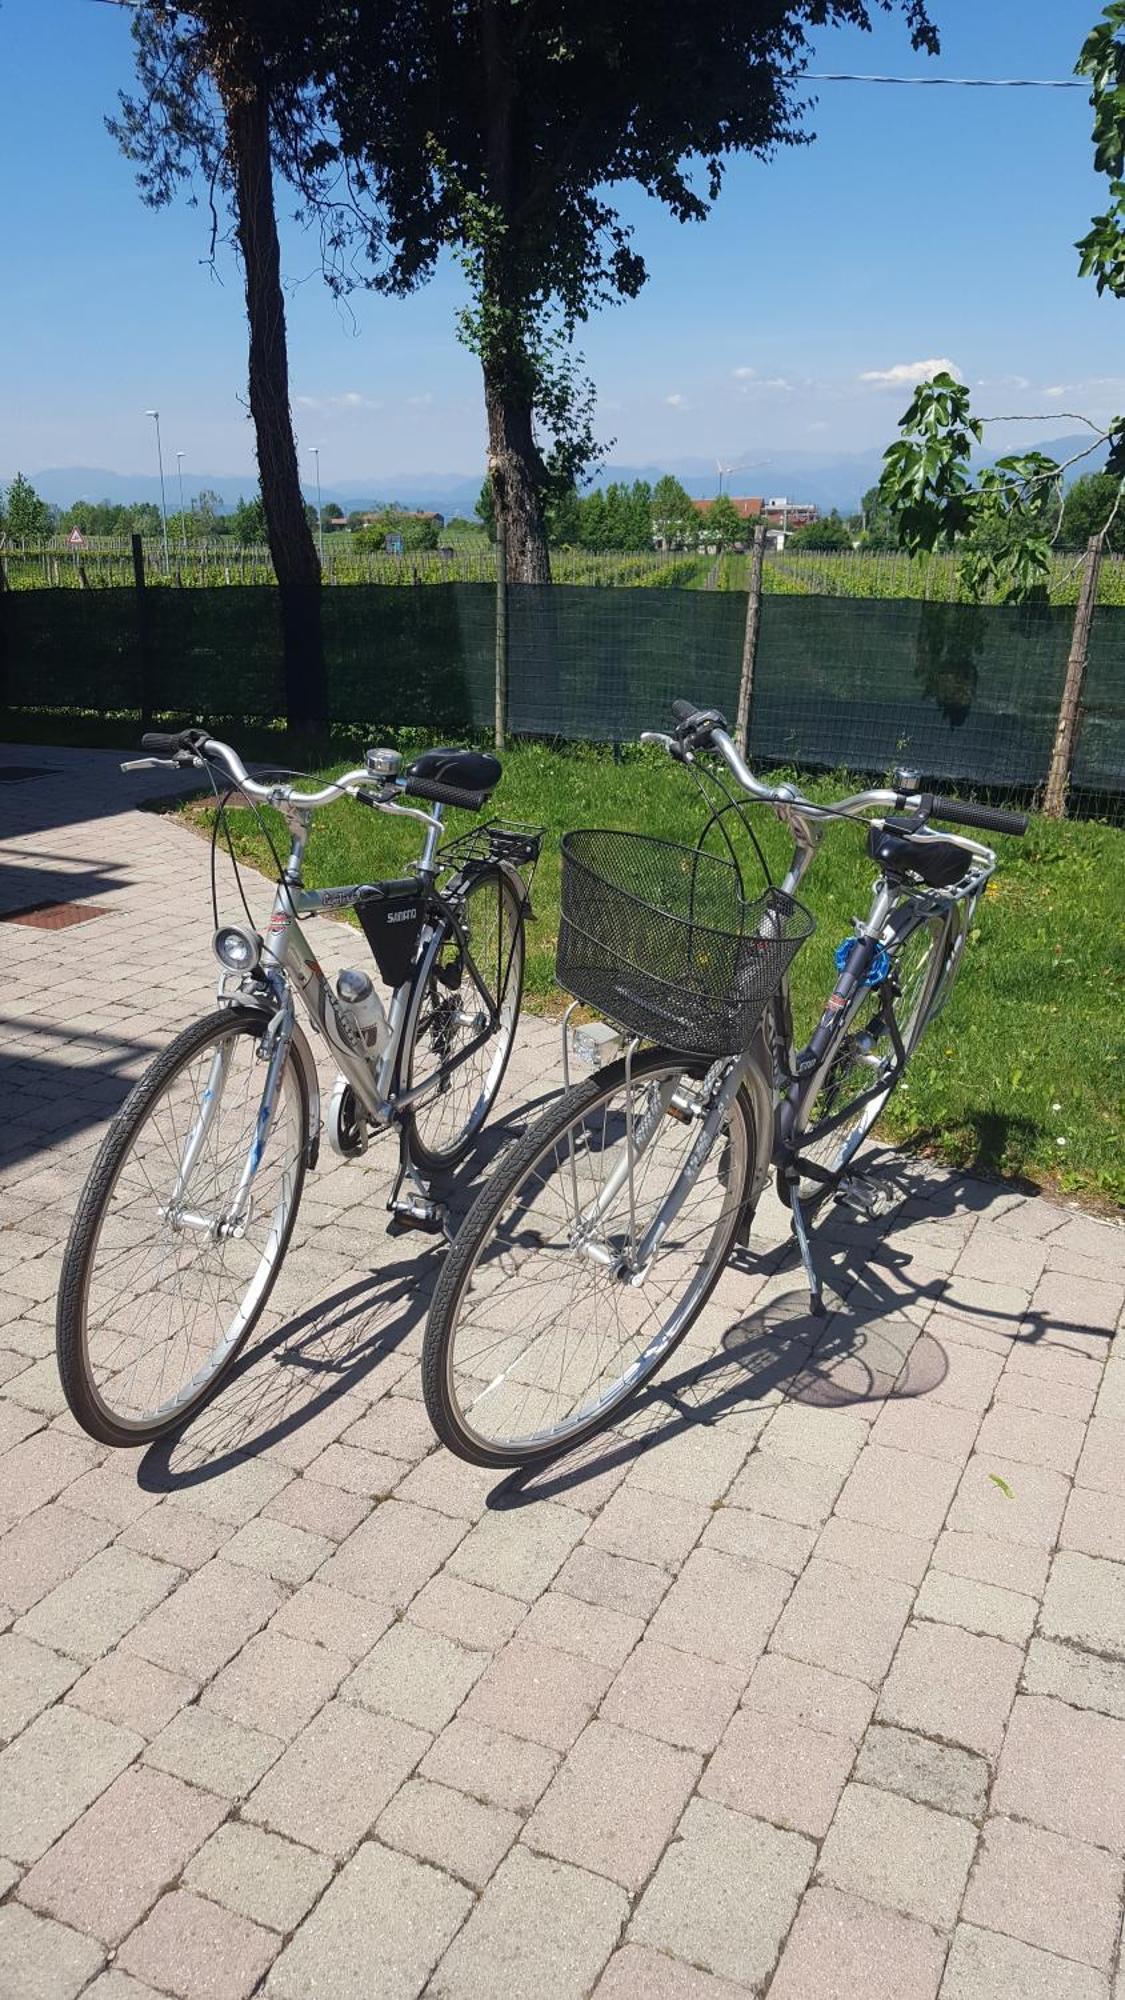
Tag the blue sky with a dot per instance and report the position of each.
(923, 225)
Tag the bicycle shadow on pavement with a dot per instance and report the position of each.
(354, 1342)
(873, 1346)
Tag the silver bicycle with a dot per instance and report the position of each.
(190, 1204)
(602, 1234)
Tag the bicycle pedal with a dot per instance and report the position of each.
(864, 1197)
(414, 1211)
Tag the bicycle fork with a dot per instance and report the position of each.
(231, 1219)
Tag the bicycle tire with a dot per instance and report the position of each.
(433, 1158)
(84, 1397)
(844, 1147)
(473, 1238)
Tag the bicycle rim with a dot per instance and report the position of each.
(451, 1014)
(866, 1054)
(536, 1336)
(162, 1298)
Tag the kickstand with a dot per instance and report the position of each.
(816, 1296)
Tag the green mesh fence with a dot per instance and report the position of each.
(967, 694)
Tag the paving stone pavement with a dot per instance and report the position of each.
(810, 1678)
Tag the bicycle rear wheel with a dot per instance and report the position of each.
(861, 1070)
(536, 1337)
(158, 1293)
(449, 1014)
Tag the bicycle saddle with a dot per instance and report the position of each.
(938, 863)
(467, 770)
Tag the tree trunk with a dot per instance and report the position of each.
(287, 526)
(514, 466)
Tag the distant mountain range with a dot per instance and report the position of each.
(829, 480)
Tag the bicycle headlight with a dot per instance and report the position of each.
(235, 948)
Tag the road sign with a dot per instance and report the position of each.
(76, 539)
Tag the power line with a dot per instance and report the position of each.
(956, 82)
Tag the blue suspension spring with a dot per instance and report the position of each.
(876, 971)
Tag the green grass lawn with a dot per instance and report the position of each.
(1023, 1074)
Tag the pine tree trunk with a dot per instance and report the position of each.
(513, 462)
(287, 526)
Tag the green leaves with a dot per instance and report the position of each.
(1101, 252)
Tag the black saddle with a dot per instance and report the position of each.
(899, 851)
(468, 770)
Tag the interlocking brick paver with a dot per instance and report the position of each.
(811, 1695)
(207, 1620)
(490, 1765)
(417, 1675)
(1077, 1677)
(896, 1760)
(288, 1554)
(393, 1553)
(110, 1867)
(979, 1607)
(696, 1464)
(1085, 1602)
(985, 1966)
(537, 1692)
(953, 1685)
(1102, 1464)
(41, 1960)
(580, 1816)
(31, 1678)
(658, 1528)
(122, 1688)
(900, 1488)
(842, 1947)
(722, 1607)
(637, 1974)
(379, 1928)
(198, 1950)
(616, 1581)
(891, 1850)
(52, 1772)
(1009, 1565)
(38, 1469)
(336, 1777)
(598, 1633)
(318, 1508)
(684, 1698)
(696, 1906)
(1064, 1768)
(874, 1551)
(448, 1829)
(779, 1770)
(102, 1601)
(481, 1620)
(919, 1424)
(1094, 1523)
(176, 1534)
(211, 1750)
(787, 1488)
(277, 1683)
(850, 1628)
(259, 1875)
(550, 1926)
(43, 1548)
(757, 1538)
(1062, 1895)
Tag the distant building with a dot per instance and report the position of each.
(382, 513)
(746, 509)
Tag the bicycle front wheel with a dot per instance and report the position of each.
(540, 1330)
(449, 1043)
(166, 1272)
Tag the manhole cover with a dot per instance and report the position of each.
(53, 916)
(15, 774)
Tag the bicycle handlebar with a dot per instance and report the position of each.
(194, 746)
(706, 729)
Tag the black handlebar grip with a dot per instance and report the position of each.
(682, 710)
(444, 795)
(160, 743)
(991, 819)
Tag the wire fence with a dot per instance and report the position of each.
(969, 695)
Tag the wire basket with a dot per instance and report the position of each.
(661, 940)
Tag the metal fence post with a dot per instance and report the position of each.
(1070, 709)
(750, 639)
(500, 717)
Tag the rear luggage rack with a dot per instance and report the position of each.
(496, 840)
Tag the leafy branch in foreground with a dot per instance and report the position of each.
(1004, 523)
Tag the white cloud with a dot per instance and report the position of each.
(676, 401)
(1058, 390)
(350, 400)
(910, 371)
(420, 402)
(744, 374)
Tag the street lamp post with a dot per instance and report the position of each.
(183, 515)
(155, 415)
(315, 449)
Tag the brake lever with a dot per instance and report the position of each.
(150, 764)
